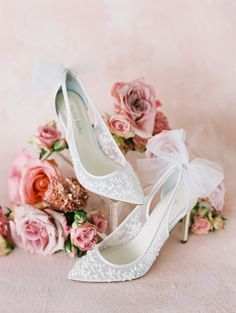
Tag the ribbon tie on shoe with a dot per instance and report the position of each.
(167, 150)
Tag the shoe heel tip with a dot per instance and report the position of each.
(183, 241)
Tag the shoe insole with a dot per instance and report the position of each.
(89, 152)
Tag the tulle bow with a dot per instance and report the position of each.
(47, 76)
(168, 149)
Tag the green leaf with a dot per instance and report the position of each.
(80, 253)
(59, 145)
(118, 139)
(42, 153)
(196, 208)
(70, 218)
(80, 217)
(68, 244)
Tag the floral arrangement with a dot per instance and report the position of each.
(136, 117)
(49, 212)
(206, 215)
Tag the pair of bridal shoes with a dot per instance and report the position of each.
(172, 183)
(129, 252)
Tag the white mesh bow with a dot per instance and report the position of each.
(48, 72)
(47, 77)
(168, 149)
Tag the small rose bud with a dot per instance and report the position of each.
(60, 145)
(99, 220)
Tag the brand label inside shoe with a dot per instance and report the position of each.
(76, 119)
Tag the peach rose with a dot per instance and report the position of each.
(201, 226)
(99, 221)
(136, 101)
(38, 231)
(120, 126)
(16, 169)
(83, 236)
(33, 181)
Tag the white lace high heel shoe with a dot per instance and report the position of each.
(129, 252)
(98, 162)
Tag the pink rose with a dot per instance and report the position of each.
(83, 236)
(161, 123)
(201, 226)
(3, 224)
(217, 197)
(48, 134)
(29, 179)
(17, 167)
(5, 246)
(99, 221)
(136, 101)
(38, 231)
(120, 126)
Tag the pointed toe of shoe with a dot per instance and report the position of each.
(130, 188)
(89, 268)
(122, 185)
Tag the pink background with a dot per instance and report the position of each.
(186, 50)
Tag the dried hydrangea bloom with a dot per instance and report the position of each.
(67, 195)
(161, 123)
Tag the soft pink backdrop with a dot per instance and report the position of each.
(186, 50)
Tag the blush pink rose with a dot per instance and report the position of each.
(35, 180)
(120, 126)
(38, 231)
(3, 224)
(136, 101)
(17, 166)
(83, 236)
(99, 221)
(217, 197)
(47, 135)
(201, 226)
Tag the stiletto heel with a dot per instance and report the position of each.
(185, 227)
(129, 252)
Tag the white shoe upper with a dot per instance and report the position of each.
(121, 182)
(94, 267)
(129, 252)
